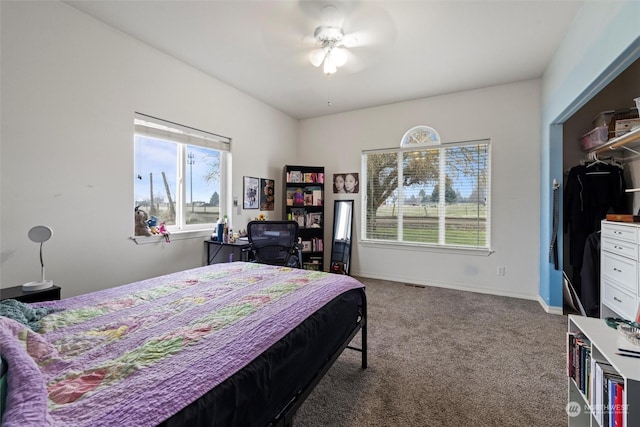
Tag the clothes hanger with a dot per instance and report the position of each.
(593, 158)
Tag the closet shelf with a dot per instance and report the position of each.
(612, 144)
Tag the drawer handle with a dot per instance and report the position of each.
(616, 299)
(617, 232)
(618, 247)
(617, 269)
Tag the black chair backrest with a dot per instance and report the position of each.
(273, 242)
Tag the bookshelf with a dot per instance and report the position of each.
(304, 203)
(603, 387)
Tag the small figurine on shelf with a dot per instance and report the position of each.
(162, 229)
(140, 222)
(298, 197)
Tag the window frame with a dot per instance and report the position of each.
(440, 246)
(184, 136)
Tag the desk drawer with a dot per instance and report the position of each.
(621, 270)
(618, 300)
(619, 231)
(620, 247)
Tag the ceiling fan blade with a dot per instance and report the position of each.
(369, 25)
(351, 40)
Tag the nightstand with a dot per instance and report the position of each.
(49, 294)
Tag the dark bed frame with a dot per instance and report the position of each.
(270, 389)
(286, 416)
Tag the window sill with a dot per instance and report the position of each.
(177, 235)
(461, 250)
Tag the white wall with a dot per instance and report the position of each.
(509, 116)
(70, 86)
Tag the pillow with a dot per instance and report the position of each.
(24, 313)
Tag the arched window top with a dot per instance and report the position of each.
(419, 136)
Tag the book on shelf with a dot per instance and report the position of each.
(310, 177)
(306, 246)
(317, 197)
(299, 216)
(314, 219)
(316, 244)
(579, 360)
(308, 198)
(295, 176)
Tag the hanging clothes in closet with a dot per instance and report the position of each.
(592, 190)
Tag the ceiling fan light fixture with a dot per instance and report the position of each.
(338, 56)
(329, 66)
(330, 40)
(317, 56)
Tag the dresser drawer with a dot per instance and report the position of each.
(622, 270)
(620, 247)
(619, 231)
(618, 300)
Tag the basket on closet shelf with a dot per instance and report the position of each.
(595, 138)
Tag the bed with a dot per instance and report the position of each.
(226, 344)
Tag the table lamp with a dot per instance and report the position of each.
(39, 234)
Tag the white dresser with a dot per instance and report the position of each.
(619, 275)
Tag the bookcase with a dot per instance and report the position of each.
(304, 203)
(603, 387)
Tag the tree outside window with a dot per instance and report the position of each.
(436, 195)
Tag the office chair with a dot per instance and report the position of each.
(275, 243)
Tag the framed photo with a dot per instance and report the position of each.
(250, 189)
(267, 194)
(346, 182)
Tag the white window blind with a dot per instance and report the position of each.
(162, 129)
(435, 195)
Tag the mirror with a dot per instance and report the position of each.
(342, 234)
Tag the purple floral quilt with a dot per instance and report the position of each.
(138, 353)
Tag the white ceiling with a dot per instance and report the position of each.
(419, 48)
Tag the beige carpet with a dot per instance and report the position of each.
(440, 357)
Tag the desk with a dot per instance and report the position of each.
(52, 293)
(218, 252)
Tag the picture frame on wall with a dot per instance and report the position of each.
(250, 188)
(346, 182)
(267, 194)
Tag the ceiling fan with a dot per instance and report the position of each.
(332, 45)
(331, 39)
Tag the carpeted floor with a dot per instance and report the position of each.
(440, 357)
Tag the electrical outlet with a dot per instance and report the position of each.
(501, 270)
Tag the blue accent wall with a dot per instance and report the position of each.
(602, 41)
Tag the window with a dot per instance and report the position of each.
(180, 173)
(429, 195)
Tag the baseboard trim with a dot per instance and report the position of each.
(448, 286)
(550, 309)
